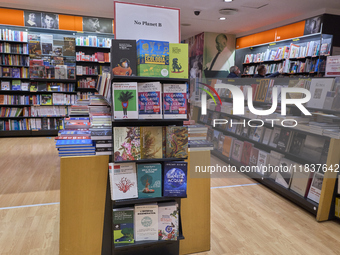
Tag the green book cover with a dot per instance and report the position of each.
(46, 99)
(178, 60)
(149, 180)
(123, 231)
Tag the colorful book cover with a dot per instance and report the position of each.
(123, 230)
(124, 57)
(149, 100)
(46, 99)
(168, 221)
(123, 181)
(5, 85)
(68, 143)
(16, 85)
(125, 100)
(151, 142)
(15, 72)
(246, 151)
(175, 179)
(126, 143)
(176, 142)
(149, 180)
(175, 101)
(237, 150)
(146, 222)
(178, 60)
(153, 58)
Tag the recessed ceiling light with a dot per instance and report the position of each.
(222, 18)
(227, 1)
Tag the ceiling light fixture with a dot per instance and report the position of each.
(222, 18)
(227, 1)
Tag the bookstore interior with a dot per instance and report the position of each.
(166, 145)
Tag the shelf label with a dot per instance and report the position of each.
(271, 44)
(297, 39)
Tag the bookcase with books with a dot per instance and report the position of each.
(303, 56)
(148, 170)
(309, 151)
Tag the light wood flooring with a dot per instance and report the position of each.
(248, 219)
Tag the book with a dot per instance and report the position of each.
(175, 179)
(46, 99)
(149, 179)
(266, 135)
(274, 139)
(124, 57)
(220, 142)
(123, 228)
(258, 134)
(297, 143)
(153, 58)
(69, 143)
(178, 60)
(301, 181)
(146, 222)
(312, 147)
(227, 146)
(126, 143)
(5, 85)
(261, 91)
(262, 160)
(150, 100)
(176, 142)
(254, 154)
(237, 150)
(125, 100)
(175, 101)
(319, 89)
(283, 177)
(168, 221)
(123, 181)
(151, 142)
(285, 139)
(16, 85)
(273, 161)
(246, 151)
(315, 187)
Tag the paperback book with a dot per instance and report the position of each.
(175, 179)
(123, 229)
(178, 58)
(149, 100)
(168, 221)
(237, 150)
(146, 222)
(315, 187)
(125, 100)
(149, 180)
(175, 101)
(124, 57)
(176, 142)
(246, 151)
(126, 142)
(151, 142)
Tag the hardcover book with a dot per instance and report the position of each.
(237, 150)
(150, 100)
(151, 142)
(149, 178)
(175, 179)
(178, 60)
(125, 100)
(153, 58)
(126, 142)
(246, 151)
(123, 181)
(168, 215)
(123, 229)
(124, 57)
(175, 101)
(176, 142)
(146, 222)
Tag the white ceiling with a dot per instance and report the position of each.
(246, 21)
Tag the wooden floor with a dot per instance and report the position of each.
(247, 218)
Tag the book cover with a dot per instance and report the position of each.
(176, 142)
(319, 89)
(254, 154)
(267, 135)
(274, 139)
(126, 142)
(237, 150)
(68, 143)
(152, 58)
(175, 179)
(312, 147)
(283, 177)
(262, 160)
(220, 142)
(168, 215)
(146, 222)
(300, 180)
(150, 100)
(297, 143)
(258, 134)
(315, 187)
(215, 138)
(227, 146)
(123, 229)
(124, 181)
(46, 99)
(15, 72)
(5, 85)
(151, 142)
(261, 91)
(124, 57)
(125, 100)
(16, 85)
(246, 151)
(149, 179)
(178, 60)
(175, 101)
(284, 140)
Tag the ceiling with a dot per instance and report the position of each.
(252, 15)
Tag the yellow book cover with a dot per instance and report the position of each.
(228, 141)
(262, 90)
(178, 60)
(151, 142)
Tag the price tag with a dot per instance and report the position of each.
(271, 44)
(297, 39)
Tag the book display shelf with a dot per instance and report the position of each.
(313, 142)
(299, 57)
(149, 246)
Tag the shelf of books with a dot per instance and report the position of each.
(303, 56)
(292, 153)
(150, 146)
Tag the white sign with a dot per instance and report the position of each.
(137, 21)
(333, 66)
